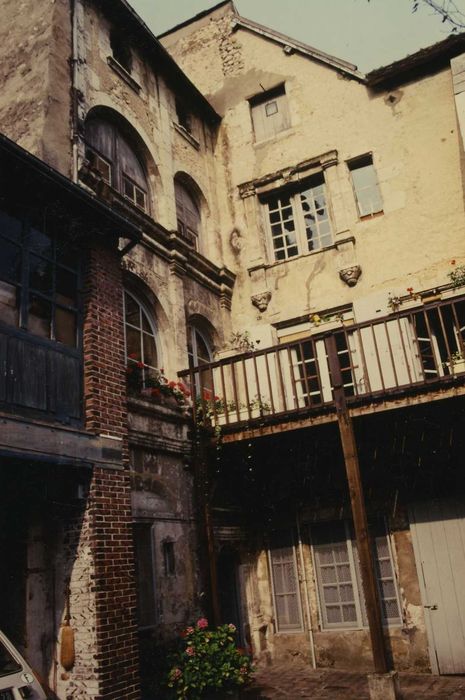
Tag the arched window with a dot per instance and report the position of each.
(140, 335)
(188, 214)
(198, 348)
(109, 152)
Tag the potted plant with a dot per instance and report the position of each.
(208, 664)
(155, 386)
(456, 364)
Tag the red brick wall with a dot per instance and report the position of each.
(110, 495)
(104, 356)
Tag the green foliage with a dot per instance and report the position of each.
(208, 660)
(457, 276)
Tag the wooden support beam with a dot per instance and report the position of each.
(362, 535)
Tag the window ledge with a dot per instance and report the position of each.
(275, 263)
(277, 137)
(368, 217)
(123, 74)
(188, 136)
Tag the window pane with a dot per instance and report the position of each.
(10, 227)
(133, 344)
(285, 587)
(10, 261)
(65, 327)
(150, 350)
(8, 304)
(365, 183)
(40, 243)
(132, 313)
(40, 274)
(39, 316)
(66, 287)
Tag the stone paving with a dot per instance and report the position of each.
(295, 680)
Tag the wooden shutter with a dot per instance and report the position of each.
(285, 588)
(270, 113)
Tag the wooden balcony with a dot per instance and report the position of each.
(410, 356)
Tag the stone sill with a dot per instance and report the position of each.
(186, 135)
(124, 75)
(140, 405)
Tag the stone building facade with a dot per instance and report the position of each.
(226, 183)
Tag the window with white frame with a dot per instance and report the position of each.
(140, 335)
(337, 567)
(299, 221)
(285, 584)
(270, 113)
(366, 186)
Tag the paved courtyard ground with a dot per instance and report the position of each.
(295, 680)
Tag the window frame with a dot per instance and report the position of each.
(120, 49)
(361, 622)
(357, 163)
(25, 290)
(285, 629)
(294, 195)
(258, 105)
(151, 321)
(116, 171)
(148, 527)
(182, 192)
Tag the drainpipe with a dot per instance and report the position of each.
(307, 603)
(74, 106)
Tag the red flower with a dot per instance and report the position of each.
(171, 385)
(202, 623)
(410, 290)
(452, 262)
(133, 355)
(140, 365)
(190, 651)
(217, 398)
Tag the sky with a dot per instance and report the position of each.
(368, 33)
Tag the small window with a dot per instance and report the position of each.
(366, 186)
(169, 561)
(183, 115)
(285, 583)
(120, 50)
(188, 214)
(299, 221)
(270, 113)
(145, 579)
(342, 602)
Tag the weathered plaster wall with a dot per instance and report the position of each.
(34, 73)
(412, 133)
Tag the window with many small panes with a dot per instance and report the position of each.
(299, 221)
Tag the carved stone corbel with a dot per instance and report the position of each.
(261, 301)
(350, 275)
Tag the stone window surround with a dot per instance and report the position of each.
(123, 74)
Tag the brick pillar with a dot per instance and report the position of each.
(110, 496)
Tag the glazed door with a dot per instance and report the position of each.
(438, 532)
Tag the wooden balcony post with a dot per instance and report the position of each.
(362, 535)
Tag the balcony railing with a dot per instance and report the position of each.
(414, 349)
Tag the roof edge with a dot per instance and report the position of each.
(195, 18)
(300, 47)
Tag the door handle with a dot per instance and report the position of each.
(431, 607)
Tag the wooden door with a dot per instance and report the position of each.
(438, 532)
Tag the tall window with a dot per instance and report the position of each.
(188, 214)
(39, 278)
(366, 186)
(109, 152)
(140, 333)
(199, 353)
(299, 221)
(342, 602)
(270, 113)
(145, 579)
(285, 581)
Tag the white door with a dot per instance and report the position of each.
(438, 533)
